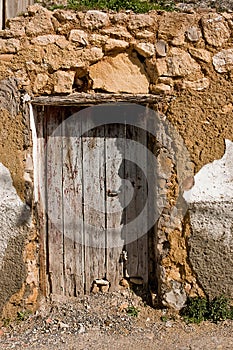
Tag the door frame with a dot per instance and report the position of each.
(81, 100)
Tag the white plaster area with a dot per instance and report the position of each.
(214, 182)
(12, 210)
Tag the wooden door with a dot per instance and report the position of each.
(93, 190)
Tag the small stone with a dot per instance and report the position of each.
(115, 45)
(9, 46)
(150, 65)
(40, 24)
(92, 55)
(193, 34)
(95, 289)
(63, 81)
(201, 54)
(161, 89)
(34, 9)
(117, 32)
(146, 34)
(166, 80)
(123, 307)
(101, 282)
(176, 297)
(81, 329)
(62, 42)
(168, 324)
(150, 336)
(138, 21)
(124, 283)
(227, 109)
(40, 82)
(94, 19)
(181, 64)
(188, 183)
(1, 332)
(97, 39)
(46, 39)
(49, 320)
(16, 26)
(197, 85)
(161, 66)
(161, 48)
(79, 36)
(145, 49)
(179, 39)
(65, 16)
(104, 289)
(119, 18)
(223, 61)
(215, 28)
(164, 165)
(63, 325)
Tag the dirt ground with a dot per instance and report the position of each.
(103, 321)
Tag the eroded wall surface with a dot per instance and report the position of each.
(185, 56)
(211, 216)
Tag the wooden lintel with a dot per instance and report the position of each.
(89, 99)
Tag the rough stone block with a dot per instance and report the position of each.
(119, 74)
(215, 28)
(63, 81)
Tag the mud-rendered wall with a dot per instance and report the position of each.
(18, 260)
(187, 56)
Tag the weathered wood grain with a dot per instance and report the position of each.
(94, 201)
(54, 174)
(87, 99)
(115, 148)
(14, 8)
(135, 171)
(72, 205)
(2, 19)
(39, 182)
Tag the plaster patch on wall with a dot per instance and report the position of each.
(214, 182)
(13, 212)
(211, 219)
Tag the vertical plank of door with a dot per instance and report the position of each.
(141, 201)
(38, 114)
(2, 14)
(137, 249)
(54, 201)
(115, 148)
(72, 204)
(93, 202)
(16, 7)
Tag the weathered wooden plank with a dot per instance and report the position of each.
(87, 99)
(39, 191)
(135, 171)
(2, 14)
(115, 148)
(72, 205)
(54, 200)
(94, 201)
(14, 8)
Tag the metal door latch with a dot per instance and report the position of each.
(113, 193)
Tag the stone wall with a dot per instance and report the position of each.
(187, 56)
